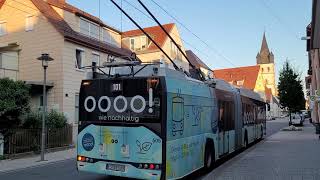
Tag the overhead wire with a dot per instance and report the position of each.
(195, 35)
(280, 21)
(177, 36)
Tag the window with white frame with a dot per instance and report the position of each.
(3, 28)
(174, 51)
(94, 31)
(89, 28)
(29, 23)
(132, 44)
(106, 36)
(9, 60)
(110, 37)
(96, 58)
(79, 58)
(240, 83)
(84, 27)
(143, 42)
(138, 43)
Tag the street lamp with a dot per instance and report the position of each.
(45, 58)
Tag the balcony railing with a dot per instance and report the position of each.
(9, 73)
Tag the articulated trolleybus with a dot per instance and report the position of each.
(158, 123)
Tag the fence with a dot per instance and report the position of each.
(29, 140)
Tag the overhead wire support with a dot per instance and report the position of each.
(141, 29)
(175, 43)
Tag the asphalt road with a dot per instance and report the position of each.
(66, 170)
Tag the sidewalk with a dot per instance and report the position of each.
(286, 155)
(16, 164)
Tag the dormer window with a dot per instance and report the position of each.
(132, 44)
(89, 28)
(143, 42)
(138, 43)
(240, 83)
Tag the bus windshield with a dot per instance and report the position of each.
(134, 100)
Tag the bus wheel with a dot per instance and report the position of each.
(209, 157)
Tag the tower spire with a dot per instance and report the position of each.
(264, 45)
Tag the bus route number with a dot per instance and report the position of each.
(116, 87)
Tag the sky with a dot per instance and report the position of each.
(229, 33)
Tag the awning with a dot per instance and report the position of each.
(37, 86)
(9, 47)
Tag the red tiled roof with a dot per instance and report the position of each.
(65, 30)
(248, 74)
(155, 32)
(79, 12)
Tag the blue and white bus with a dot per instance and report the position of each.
(162, 124)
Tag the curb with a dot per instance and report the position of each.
(33, 154)
(34, 166)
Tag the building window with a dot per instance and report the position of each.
(76, 108)
(268, 69)
(88, 28)
(107, 36)
(240, 83)
(41, 101)
(85, 27)
(29, 23)
(9, 65)
(143, 42)
(79, 58)
(3, 28)
(132, 44)
(94, 31)
(96, 58)
(175, 53)
(110, 37)
(9, 61)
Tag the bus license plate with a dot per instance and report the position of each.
(116, 167)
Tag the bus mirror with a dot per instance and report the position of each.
(211, 82)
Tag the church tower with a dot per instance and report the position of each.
(265, 56)
(265, 59)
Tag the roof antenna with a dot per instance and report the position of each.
(144, 32)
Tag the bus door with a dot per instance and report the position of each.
(223, 133)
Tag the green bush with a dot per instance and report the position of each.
(14, 102)
(56, 119)
(32, 120)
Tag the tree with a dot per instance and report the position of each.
(14, 102)
(290, 89)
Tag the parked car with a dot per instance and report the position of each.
(296, 119)
(305, 113)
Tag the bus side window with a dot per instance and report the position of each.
(221, 115)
